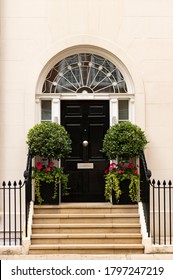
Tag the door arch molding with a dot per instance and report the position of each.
(112, 96)
(103, 47)
(86, 49)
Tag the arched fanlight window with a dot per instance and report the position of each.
(84, 73)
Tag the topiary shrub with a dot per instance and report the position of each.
(49, 140)
(124, 141)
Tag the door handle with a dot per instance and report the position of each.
(85, 143)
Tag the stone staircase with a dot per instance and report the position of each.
(86, 228)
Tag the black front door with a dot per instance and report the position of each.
(87, 123)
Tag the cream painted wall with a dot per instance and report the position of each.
(139, 33)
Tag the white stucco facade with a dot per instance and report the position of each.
(136, 34)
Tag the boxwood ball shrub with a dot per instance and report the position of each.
(124, 141)
(49, 140)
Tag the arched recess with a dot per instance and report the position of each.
(95, 81)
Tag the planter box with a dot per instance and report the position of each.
(47, 192)
(124, 198)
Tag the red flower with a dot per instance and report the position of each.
(48, 169)
(136, 172)
(130, 165)
(51, 164)
(120, 171)
(39, 165)
(112, 166)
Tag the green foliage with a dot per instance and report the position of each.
(124, 141)
(49, 174)
(112, 183)
(118, 172)
(49, 140)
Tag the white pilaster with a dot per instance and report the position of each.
(132, 110)
(56, 110)
(113, 111)
(38, 110)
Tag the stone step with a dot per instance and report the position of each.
(86, 208)
(85, 228)
(86, 238)
(87, 249)
(84, 218)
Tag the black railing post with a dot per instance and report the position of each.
(170, 211)
(154, 224)
(28, 189)
(15, 213)
(26, 210)
(20, 205)
(149, 231)
(164, 201)
(145, 175)
(159, 212)
(4, 206)
(9, 211)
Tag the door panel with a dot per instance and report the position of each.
(96, 132)
(85, 121)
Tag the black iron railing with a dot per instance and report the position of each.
(28, 189)
(162, 212)
(145, 175)
(12, 220)
(15, 204)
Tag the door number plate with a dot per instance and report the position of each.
(86, 165)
